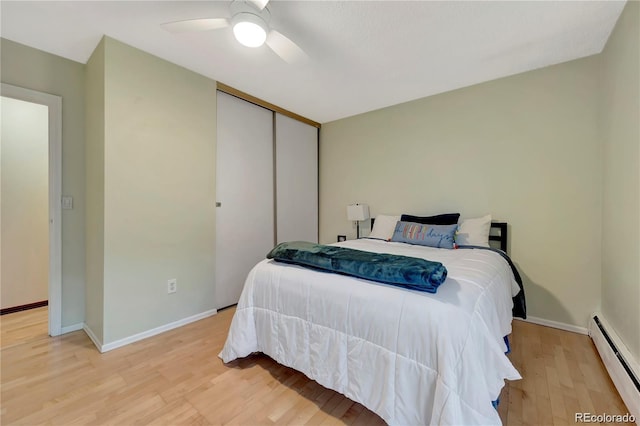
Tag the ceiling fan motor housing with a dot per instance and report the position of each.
(238, 7)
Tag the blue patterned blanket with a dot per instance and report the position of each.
(401, 271)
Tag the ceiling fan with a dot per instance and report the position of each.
(250, 23)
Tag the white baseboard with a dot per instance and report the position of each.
(127, 340)
(556, 324)
(93, 337)
(73, 327)
(626, 388)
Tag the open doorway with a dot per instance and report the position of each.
(30, 210)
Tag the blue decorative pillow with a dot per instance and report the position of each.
(440, 236)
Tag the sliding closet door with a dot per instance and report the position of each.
(244, 192)
(296, 180)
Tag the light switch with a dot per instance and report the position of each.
(67, 203)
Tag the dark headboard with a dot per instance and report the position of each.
(499, 233)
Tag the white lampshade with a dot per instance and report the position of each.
(358, 212)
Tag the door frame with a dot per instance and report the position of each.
(54, 104)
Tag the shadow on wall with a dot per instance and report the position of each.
(540, 302)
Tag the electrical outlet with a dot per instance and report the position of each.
(172, 285)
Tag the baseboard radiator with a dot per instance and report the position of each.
(621, 366)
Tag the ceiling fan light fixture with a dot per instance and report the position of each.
(249, 29)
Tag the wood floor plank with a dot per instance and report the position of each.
(176, 378)
(514, 416)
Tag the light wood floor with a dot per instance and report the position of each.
(23, 327)
(176, 378)
(562, 375)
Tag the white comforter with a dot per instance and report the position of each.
(413, 358)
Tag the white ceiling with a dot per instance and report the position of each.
(364, 55)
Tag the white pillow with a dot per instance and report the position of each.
(474, 232)
(383, 227)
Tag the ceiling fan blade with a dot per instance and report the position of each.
(285, 48)
(204, 24)
(260, 4)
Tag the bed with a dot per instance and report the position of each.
(411, 357)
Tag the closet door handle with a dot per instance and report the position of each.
(218, 204)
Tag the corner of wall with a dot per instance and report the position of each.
(94, 200)
(620, 139)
